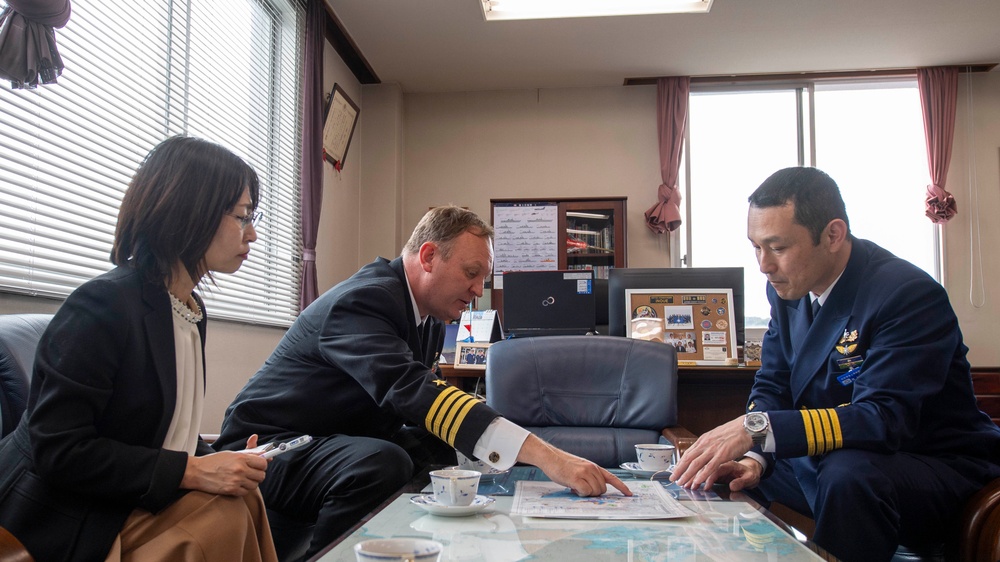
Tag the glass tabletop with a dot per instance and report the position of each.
(721, 530)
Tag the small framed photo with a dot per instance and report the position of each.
(471, 355)
(751, 352)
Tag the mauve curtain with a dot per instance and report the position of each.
(938, 98)
(28, 42)
(671, 119)
(312, 148)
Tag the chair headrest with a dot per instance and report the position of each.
(19, 335)
(583, 381)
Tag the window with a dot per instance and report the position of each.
(868, 136)
(137, 73)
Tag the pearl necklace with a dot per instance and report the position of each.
(184, 311)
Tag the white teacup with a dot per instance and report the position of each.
(398, 550)
(655, 456)
(455, 487)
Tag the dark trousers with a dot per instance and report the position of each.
(335, 481)
(866, 504)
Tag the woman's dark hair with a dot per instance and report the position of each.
(815, 195)
(175, 203)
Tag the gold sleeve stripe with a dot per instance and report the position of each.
(822, 430)
(459, 418)
(446, 419)
(447, 412)
(439, 409)
(836, 438)
(838, 432)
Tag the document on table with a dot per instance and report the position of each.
(547, 499)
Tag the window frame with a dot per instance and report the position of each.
(681, 251)
(86, 172)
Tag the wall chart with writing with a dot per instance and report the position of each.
(525, 237)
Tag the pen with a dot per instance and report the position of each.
(281, 448)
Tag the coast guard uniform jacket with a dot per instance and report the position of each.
(882, 368)
(355, 363)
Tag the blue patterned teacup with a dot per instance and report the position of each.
(455, 487)
(655, 456)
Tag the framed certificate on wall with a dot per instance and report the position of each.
(699, 323)
(338, 129)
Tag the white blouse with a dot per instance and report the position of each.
(186, 421)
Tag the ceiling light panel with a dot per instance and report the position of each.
(498, 10)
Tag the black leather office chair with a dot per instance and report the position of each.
(593, 396)
(19, 334)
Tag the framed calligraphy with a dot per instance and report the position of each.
(338, 129)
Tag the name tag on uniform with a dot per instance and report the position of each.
(848, 363)
(848, 377)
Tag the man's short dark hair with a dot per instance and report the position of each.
(815, 195)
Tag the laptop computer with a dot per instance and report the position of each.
(548, 303)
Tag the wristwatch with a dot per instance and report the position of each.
(756, 425)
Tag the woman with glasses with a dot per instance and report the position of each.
(107, 462)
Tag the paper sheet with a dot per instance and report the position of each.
(548, 499)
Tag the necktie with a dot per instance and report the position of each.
(815, 308)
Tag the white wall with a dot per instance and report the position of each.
(971, 238)
(467, 148)
(382, 172)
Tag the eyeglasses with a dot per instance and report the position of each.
(247, 219)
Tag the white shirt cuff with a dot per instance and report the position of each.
(758, 458)
(769, 444)
(499, 445)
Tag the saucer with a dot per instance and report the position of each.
(432, 506)
(633, 468)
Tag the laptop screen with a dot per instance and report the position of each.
(537, 303)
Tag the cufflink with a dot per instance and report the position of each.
(494, 457)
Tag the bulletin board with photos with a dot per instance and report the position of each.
(699, 323)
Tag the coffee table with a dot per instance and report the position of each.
(723, 529)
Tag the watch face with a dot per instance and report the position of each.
(755, 422)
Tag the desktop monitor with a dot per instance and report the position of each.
(548, 303)
(620, 279)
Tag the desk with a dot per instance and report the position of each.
(706, 396)
(723, 530)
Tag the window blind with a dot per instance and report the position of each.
(137, 73)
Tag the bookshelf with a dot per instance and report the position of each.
(563, 233)
(594, 235)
